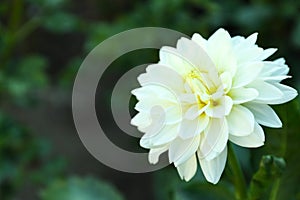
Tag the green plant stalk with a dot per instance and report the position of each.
(274, 191)
(16, 15)
(285, 133)
(13, 24)
(238, 176)
(276, 186)
(17, 31)
(18, 36)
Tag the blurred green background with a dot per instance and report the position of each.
(42, 44)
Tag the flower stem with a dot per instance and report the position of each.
(274, 191)
(238, 177)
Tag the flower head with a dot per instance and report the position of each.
(205, 92)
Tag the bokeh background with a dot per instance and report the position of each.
(42, 44)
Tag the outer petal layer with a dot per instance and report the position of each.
(255, 139)
(264, 115)
(213, 169)
(240, 121)
(188, 169)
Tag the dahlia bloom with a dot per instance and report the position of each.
(205, 92)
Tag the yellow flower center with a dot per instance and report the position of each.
(196, 81)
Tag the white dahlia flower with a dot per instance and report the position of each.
(205, 92)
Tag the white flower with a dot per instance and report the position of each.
(205, 92)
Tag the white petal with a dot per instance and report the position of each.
(240, 121)
(275, 79)
(163, 99)
(267, 92)
(181, 150)
(194, 53)
(242, 95)
(173, 114)
(155, 93)
(240, 42)
(280, 61)
(289, 93)
(143, 92)
(188, 169)
(170, 57)
(155, 153)
(248, 54)
(267, 53)
(146, 104)
(255, 139)
(141, 120)
(191, 128)
(220, 51)
(158, 118)
(189, 98)
(200, 40)
(264, 115)
(223, 107)
(214, 139)
(273, 69)
(214, 168)
(193, 112)
(245, 50)
(158, 136)
(246, 74)
(226, 81)
(199, 58)
(250, 40)
(166, 112)
(162, 75)
(218, 93)
(237, 41)
(187, 88)
(228, 104)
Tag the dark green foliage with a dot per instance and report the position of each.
(266, 178)
(42, 44)
(168, 185)
(75, 188)
(24, 159)
(23, 83)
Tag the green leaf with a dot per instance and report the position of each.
(22, 158)
(80, 189)
(270, 171)
(24, 78)
(168, 185)
(204, 191)
(290, 186)
(284, 142)
(32, 69)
